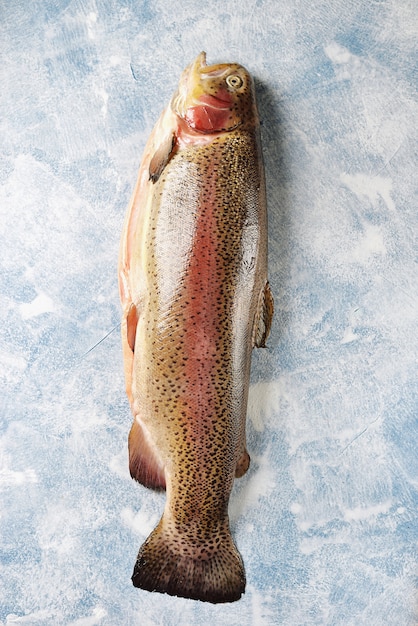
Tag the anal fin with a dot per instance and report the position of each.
(263, 317)
(144, 465)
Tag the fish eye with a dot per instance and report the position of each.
(234, 81)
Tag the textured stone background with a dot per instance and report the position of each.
(326, 518)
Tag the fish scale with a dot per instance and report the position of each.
(193, 277)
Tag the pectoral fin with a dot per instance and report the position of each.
(161, 157)
(131, 324)
(263, 317)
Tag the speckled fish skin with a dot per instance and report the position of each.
(194, 290)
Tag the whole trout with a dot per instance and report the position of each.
(195, 297)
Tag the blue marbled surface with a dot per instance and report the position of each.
(326, 518)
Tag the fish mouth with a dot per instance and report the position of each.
(216, 102)
(199, 71)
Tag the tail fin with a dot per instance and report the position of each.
(211, 572)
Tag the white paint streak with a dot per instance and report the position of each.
(104, 96)
(33, 618)
(98, 614)
(349, 336)
(41, 304)
(360, 514)
(61, 534)
(91, 21)
(349, 333)
(141, 523)
(11, 478)
(14, 361)
(261, 613)
(370, 187)
(345, 63)
(119, 464)
(370, 243)
(263, 399)
(338, 54)
(295, 508)
(114, 61)
(261, 484)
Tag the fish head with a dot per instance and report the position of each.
(215, 98)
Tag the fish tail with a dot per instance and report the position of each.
(170, 563)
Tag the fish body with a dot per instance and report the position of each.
(195, 298)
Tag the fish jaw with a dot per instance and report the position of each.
(214, 98)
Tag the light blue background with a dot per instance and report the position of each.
(326, 517)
